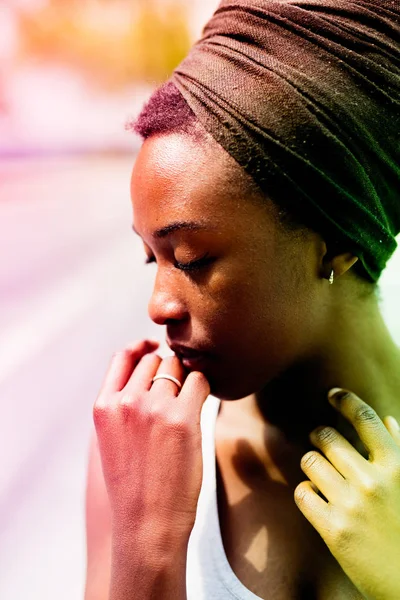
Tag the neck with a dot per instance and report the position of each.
(357, 353)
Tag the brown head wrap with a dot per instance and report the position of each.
(305, 95)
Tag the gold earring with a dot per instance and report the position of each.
(331, 277)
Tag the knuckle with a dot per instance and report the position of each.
(156, 415)
(340, 531)
(128, 404)
(171, 421)
(326, 435)
(364, 413)
(201, 383)
(101, 411)
(125, 404)
(153, 412)
(310, 460)
(352, 504)
(149, 358)
(171, 361)
(394, 472)
(197, 378)
(177, 423)
(372, 488)
(301, 493)
(101, 404)
(126, 399)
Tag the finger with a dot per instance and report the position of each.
(123, 362)
(194, 393)
(365, 421)
(313, 507)
(393, 428)
(340, 453)
(171, 365)
(141, 378)
(324, 476)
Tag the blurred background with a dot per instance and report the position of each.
(73, 287)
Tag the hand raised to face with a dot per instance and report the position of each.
(150, 442)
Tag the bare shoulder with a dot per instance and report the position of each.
(98, 528)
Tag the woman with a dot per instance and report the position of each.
(266, 191)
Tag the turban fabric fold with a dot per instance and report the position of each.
(305, 96)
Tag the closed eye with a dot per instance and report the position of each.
(194, 265)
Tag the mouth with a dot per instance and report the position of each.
(191, 358)
(195, 364)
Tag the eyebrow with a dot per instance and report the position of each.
(176, 226)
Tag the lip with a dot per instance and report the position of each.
(197, 363)
(186, 352)
(193, 359)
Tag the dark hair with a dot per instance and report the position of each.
(168, 112)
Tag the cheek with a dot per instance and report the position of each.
(255, 300)
(251, 308)
(261, 333)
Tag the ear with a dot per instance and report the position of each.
(343, 262)
(337, 260)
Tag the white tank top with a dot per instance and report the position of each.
(209, 575)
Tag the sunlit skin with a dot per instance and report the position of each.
(279, 336)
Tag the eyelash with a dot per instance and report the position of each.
(195, 265)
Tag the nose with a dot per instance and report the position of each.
(166, 302)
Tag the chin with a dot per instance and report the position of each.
(230, 389)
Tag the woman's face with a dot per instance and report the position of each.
(251, 301)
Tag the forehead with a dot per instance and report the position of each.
(173, 175)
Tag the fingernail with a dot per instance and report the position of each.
(336, 394)
(394, 422)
